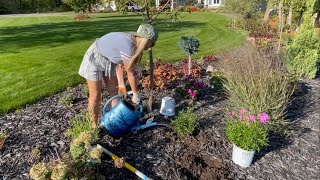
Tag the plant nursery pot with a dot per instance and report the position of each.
(167, 106)
(242, 157)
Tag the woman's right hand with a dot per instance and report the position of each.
(123, 90)
(136, 98)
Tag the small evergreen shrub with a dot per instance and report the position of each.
(80, 124)
(39, 172)
(302, 55)
(67, 100)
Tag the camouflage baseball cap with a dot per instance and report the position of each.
(148, 31)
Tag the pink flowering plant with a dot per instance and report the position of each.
(191, 88)
(248, 131)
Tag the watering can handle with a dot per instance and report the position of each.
(109, 102)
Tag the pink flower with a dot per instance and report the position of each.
(232, 114)
(244, 111)
(264, 118)
(252, 118)
(240, 117)
(192, 93)
(203, 86)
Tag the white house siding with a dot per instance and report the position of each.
(213, 3)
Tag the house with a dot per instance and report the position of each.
(212, 3)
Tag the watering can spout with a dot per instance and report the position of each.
(121, 118)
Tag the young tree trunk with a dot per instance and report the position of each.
(189, 64)
(280, 12)
(267, 12)
(289, 19)
(317, 20)
(150, 102)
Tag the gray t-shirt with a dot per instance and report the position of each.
(118, 47)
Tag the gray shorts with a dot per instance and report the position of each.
(94, 66)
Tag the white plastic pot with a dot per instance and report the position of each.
(167, 106)
(242, 157)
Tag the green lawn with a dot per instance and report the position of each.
(40, 56)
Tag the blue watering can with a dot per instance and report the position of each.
(121, 118)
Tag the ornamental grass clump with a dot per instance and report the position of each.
(80, 124)
(248, 131)
(39, 172)
(256, 80)
(79, 146)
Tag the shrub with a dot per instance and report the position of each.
(256, 27)
(199, 5)
(246, 131)
(39, 172)
(185, 123)
(3, 138)
(302, 55)
(80, 124)
(80, 145)
(59, 171)
(247, 8)
(190, 46)
(255, 79)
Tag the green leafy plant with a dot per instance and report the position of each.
(96, 154)
(255, 79)
(67, 100)
(190, 46)
(80, 124)
(248, 131)
(185, 123)
(216, 80)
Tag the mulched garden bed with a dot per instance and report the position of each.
(159, 152)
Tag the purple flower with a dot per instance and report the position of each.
(232, 114)
(192, 93)
(135, 73)
(189, 77)
(264, 118)
(240, 117)
(252, 118)
(196, 84)
(180, 83)
(203, 86)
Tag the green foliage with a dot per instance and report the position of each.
(79, 146)
(255, 27)
(80, 124)
(80, 5)
(67, 100)
(247, 8)
(185, 123)
(250, 135)
(189, 45)
(39, 172)
(255, 79)
(216, 80)
(302, 55)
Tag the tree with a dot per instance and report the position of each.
(80, 5)
(247, 8)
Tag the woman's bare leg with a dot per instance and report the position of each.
(94, 101)
(111, 85)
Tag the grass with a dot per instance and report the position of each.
(40, 56)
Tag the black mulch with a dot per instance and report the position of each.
(159, 152)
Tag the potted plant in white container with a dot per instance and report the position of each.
(248, 133)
